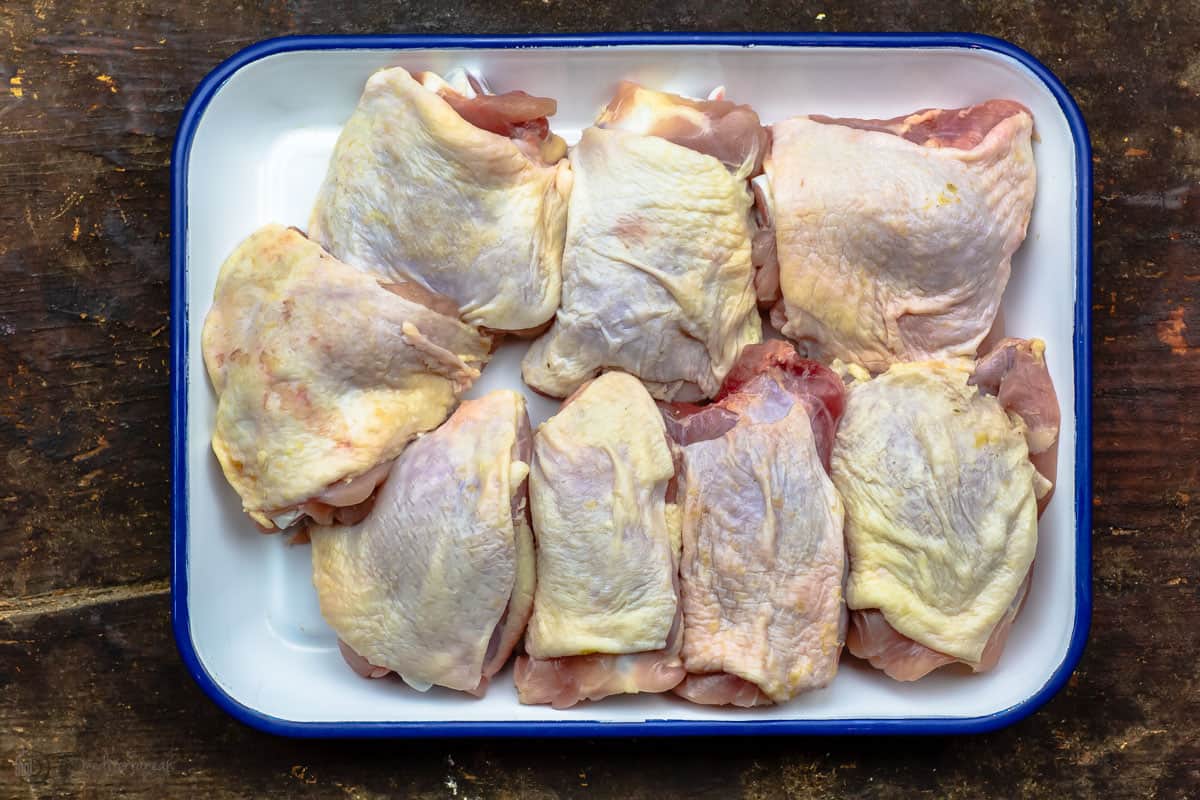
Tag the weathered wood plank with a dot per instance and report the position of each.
(93, 699)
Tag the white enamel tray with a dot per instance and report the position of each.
(252, 149)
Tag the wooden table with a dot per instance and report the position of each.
(93, 698)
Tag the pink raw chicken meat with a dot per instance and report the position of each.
(563, 682)
(960, 128)
(1015, 372)
(871, 637)
(518, 115)
(728, 132)
(763, 559)
(894, 237)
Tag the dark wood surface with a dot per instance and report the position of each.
(93, 698)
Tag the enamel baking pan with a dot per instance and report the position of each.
(252, 148)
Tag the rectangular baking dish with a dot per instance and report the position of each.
(252, 148)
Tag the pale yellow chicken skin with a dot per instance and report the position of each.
(890, 250)
(657, 277)
(416, 193)
(608, 545)
(321, 374)
(436, 583)
(941, 509)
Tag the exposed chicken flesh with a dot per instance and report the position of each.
(436, 583)
(461, 192)
(322, 375)
(763, 558)
(516, 115)
(895, 237)
(871, 637)
(764, 249)
(728, 132)
(959, 128)
(657, 271)
(562, 682)
(607, 550)
(1015, 372)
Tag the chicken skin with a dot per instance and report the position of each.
(894, 238)
(436, 584)
(606, 615)
(323, 375)
(658, 279)
(941, 499)
(763, 558)
(440, 183)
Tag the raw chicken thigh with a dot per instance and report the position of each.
(894, 237)
(606, 617)
(942, 505)
(657, 273)
(461, 191)
(763, 559)
(323, 376)
(436, 583)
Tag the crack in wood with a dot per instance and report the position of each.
(14, 609)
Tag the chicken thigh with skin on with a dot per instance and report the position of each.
(323, 375)
(941, 507)
(436, 583)
(606, 617)
(460, 191)
(763, 559)
(894, 238)
(658, 279)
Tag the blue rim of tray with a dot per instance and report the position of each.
(213, 82)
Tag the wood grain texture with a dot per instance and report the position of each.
(93, 699)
